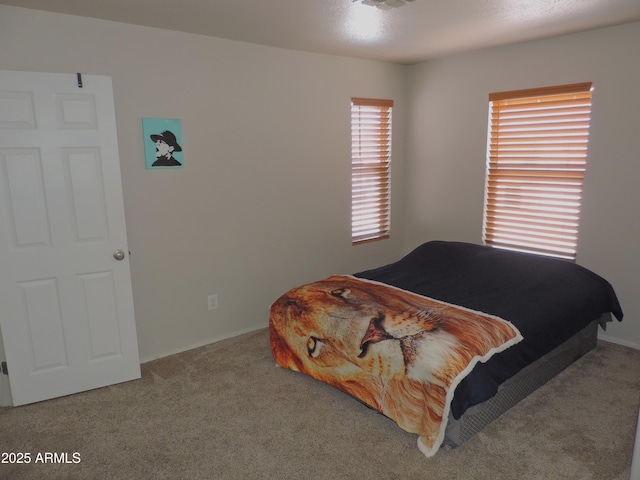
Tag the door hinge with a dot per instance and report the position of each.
(5, 369)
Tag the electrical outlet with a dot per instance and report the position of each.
(213, 301)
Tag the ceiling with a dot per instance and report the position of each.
(414, 32)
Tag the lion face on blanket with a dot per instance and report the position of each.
(396, 351)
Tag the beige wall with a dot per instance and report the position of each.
(263, 202)
(446, 146)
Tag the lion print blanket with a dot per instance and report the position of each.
(401, 353)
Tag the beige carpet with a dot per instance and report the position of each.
(225, 411)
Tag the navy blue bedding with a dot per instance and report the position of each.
(548, 300)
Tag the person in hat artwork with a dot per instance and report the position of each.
(166, 144)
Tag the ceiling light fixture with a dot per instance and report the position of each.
(384, 4)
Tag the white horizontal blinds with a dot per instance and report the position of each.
(535, 169)
(370, 168)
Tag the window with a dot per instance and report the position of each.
(370, 169)
(537, 153)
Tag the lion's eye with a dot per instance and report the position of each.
(313, 347)
(340, 292)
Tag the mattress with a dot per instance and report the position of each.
(521, 385)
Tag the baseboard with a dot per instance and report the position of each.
(203, 343)
(618, 341)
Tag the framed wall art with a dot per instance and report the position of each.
(162, 143)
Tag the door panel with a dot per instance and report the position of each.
(44, 324)
(66, 305)
(25, 197)
(17, 110)
(85, 178)
(100, 298)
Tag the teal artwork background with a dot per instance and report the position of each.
(155, 126)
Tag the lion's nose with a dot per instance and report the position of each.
(375, 333)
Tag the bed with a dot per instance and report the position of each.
(446, 339)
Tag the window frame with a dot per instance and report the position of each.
(371, 125)
(535, 169)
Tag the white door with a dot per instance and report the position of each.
(66, 305)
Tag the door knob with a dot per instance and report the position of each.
(118, 254)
